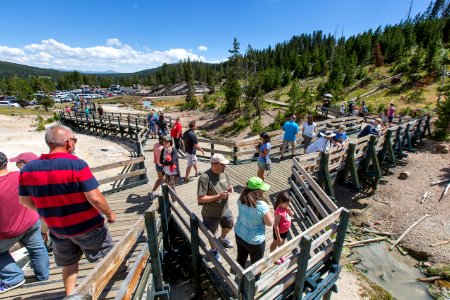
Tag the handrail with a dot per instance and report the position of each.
(118, 164)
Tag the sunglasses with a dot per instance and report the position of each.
(72, 139)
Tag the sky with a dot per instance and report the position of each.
(133, 35)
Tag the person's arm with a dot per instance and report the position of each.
(276, 223)
(268, 218)
(264, 153)
(199, 148)
(290, 212)
(212, 198)
(98, 201)
(27, 202)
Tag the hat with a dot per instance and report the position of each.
(372, 122)
(342, 127)
(219, 158)
(26, 157)
(3, 159)
(378, 120)
(328, 134)
(256, 183)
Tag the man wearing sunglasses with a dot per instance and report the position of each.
(62, 189)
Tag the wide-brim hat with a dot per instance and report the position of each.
(256, 183)
(327, 134)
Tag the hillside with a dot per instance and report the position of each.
(8, 69)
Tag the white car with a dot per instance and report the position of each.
(9, 104)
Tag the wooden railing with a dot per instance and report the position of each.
(132, 173)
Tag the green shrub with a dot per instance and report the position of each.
(40, 121)
(381, 107)
(257, 126)
(405, 111)
(416, 97)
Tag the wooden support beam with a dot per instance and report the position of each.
(324, 175)
(302, 266)
(195, 248)
(152, 240)
(351, 168)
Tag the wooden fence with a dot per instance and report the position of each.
(144, 275)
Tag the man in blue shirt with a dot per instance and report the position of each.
(290, 129)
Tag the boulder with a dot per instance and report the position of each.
(403, 175)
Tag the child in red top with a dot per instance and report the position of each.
(282, 224)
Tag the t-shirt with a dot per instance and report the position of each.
(190, 140)
(369, 129)
(309, 130)
(285, 219)
(262, 148)
(290, 131)
(321, 145)
(56, 183)
(176, 130)
(157, 148)
(210, 183)
(340, 137)
(391, 111)
(15, 218)
(250, 222)
(162, 124)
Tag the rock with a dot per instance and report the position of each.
(440, 147)
(427, 264)
(403, 175)
(445, 150)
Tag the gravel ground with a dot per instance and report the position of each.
(396, 204)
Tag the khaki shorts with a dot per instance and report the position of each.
(95, 244)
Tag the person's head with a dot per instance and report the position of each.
(328, 134)
(23, 158)
(161, 116)
(309, 119)
(167, 141)
(178, 119)
(391, 105)
(218, 163)
(61, 138)
(3, 161)
(378, 120)
(192, 125)
(255, 190)
(372, 122)
(264, 137)
(292, 118)
(283, 200)
(342, 128)
(161, 139)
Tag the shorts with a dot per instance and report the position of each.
(212, 223)
(192, 159)
(95, 244)
(159, 168)
(390, 119)
(282, 235)
(261, 165)
(152, 129)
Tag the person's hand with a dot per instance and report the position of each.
(203, 153)
(224, 195)
(279, 242)
(229, 189)
(44, 236)
(111, 218)
(289, 211)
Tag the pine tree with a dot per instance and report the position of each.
(254, 100)
(232, 86)
(443, 112)
(294, 97)
(191, 101)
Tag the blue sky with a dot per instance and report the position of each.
(131, 35)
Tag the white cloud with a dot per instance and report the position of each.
(114, 55)
(202, 48)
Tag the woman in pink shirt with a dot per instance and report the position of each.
(157, 148)
(283, 215)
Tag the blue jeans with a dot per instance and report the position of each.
(10, 272)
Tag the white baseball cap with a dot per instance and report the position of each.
(219, 158)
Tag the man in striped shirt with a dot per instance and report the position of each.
(62, 189)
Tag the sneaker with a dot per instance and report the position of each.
(216, 255)
(226, 243)
(6, 287)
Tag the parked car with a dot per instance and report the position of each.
(9, 104)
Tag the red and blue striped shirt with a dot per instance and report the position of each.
(56, 183)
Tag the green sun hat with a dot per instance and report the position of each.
(256, 183)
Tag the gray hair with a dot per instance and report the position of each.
(56, 136)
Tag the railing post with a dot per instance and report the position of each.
(427, 127)
(398, 142)
(212, 148)
(129, 126)
(235, 150)
(324, 174)
(248, 285)
(152, 240)
(165, 215)
(137, 129)
(418, 133)
(302, 266)
(388, 148)
(195, 248)
(350, 167)
(120, 128)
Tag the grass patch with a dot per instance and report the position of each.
(15, 111)
(440, 270)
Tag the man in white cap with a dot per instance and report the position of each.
(323, 143)
(214, 187)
